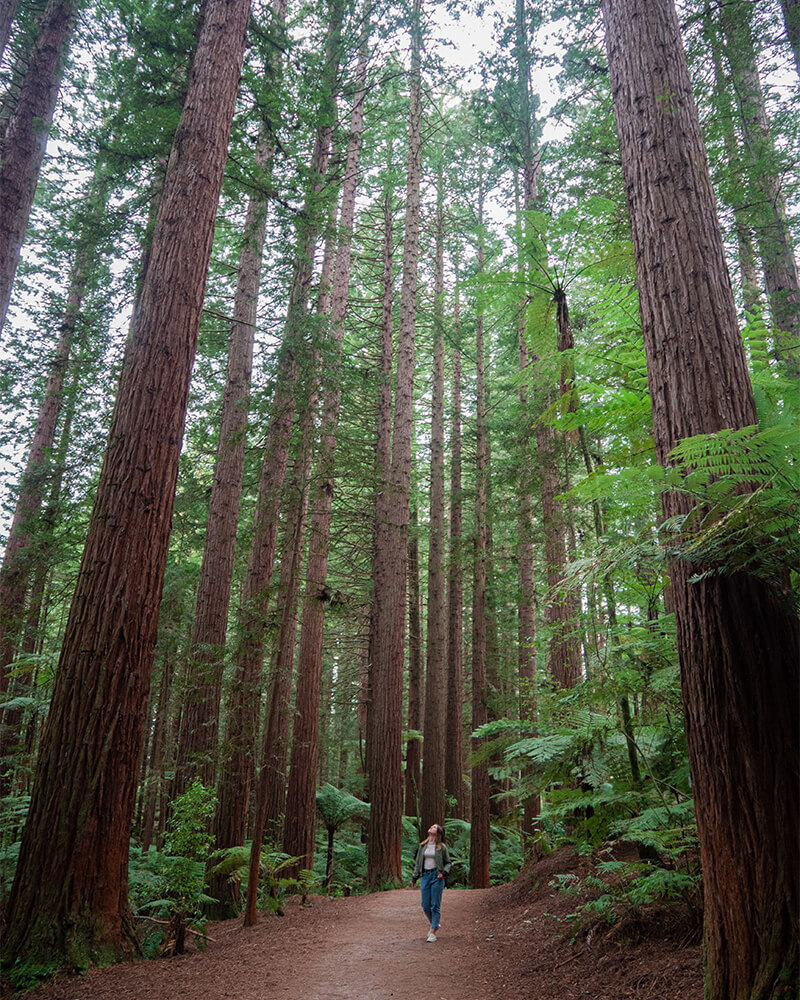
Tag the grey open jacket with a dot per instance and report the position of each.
(443, 862)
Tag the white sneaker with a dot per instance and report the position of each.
(431, 936)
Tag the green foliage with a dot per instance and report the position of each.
(277, 874)
(746, 484)
(336, 806)
(169, 886)
(620, 887)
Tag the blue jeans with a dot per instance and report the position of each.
(431, 887)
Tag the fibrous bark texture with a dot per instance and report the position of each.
(737, 642)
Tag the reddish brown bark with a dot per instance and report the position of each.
(198, 733)
(300, 823)
(563, 660)
(738, 643)
(480, 838)
(236, 771)
(480, 835)
(454, 763)
(416, 686)
(433, 747)
(271, 791)
(69, 904)
(386, 696)
(526, 634)
(26, 137)
(383, 438)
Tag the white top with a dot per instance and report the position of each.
(430, 856)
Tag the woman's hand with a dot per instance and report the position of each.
(440, 876)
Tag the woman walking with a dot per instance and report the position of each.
(431, 866)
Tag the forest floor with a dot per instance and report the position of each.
(503, 942)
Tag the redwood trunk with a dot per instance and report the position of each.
(300, 823)
(526, 635)
(236, 763)
(386, 696)
(416, 686)
(433, 747)
(271, 792)
(26, 137)
(454, 763)
(69, 903)
(737, 642)
(480, 835)
(198, 734)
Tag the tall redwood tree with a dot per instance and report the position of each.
(386, 693)
(25, 138)
(738, 643)
(69, 902)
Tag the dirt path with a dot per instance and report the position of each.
(496, 944)
(361, 948)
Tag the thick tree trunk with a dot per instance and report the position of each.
(480, 837)
(737, 642)
(198, 734)
(298, 837)
(386, 696)
(69, 903)
(526, 634)
(383, 444)
(526, 654)
(236, 763)
(454, 763)
(25, 138)
(271, 790)
(416, 681)
(433, 747)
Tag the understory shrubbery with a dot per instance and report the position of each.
(167, 888)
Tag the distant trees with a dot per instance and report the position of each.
(421, 455)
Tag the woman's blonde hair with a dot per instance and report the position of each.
(439, 842)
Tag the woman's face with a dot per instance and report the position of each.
(433, 832)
